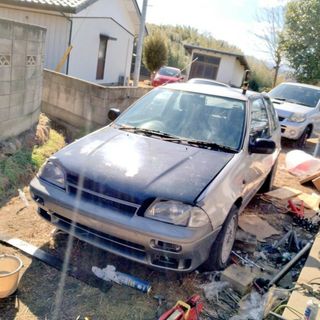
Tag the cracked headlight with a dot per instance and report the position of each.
(297, 117)
(177, 213)
(52, 173)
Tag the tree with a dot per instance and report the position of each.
(155, 52)
(302, 39)
(271, 21)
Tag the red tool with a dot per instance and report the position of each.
(189, 310)
(298, 211)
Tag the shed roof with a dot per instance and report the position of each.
(242, 59)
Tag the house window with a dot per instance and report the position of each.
(204, 67)
(102, 57)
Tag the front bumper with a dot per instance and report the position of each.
(137, 238)
(292, 130)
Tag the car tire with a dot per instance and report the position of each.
(268, 182)
(221, 248)
(301, 142)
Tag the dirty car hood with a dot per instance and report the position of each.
(286, 109)
(137, 168)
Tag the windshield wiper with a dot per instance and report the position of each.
(150, 132)
(280, 99)
(299, 102)
(211, 145)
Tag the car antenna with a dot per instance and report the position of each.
(245, 83)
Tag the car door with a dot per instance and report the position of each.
(258, 165)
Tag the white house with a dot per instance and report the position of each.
(217, 65)
(101, 33)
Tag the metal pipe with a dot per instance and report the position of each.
(277, 315)
(290, 264)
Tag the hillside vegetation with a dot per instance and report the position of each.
(177, 36)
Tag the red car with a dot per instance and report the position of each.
(166, 75)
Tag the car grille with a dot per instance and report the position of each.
(281, 118)
(101, 239)
(88, 193)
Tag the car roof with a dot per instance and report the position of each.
(301, 85)
(212, 90)
(208, 81)
(173, 68)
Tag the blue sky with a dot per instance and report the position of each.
(230, 20)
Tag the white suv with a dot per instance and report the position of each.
(298, 108)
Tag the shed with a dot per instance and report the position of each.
(222, 66)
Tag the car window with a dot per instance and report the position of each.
(305, 96)
(274, 123)
(189, 115)
(170, 72)
(259, 126)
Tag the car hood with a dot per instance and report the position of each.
(137, 168)
(286, 109)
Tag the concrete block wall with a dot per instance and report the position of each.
(82, 104)
(21, 67)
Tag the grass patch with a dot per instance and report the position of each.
(40, 154)
(18, 169)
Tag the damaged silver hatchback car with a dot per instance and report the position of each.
(164, 183)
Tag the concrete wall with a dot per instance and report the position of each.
(21, 64)
(82, 104)
(238, 73)
(58, 29)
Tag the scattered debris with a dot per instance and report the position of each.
(316, 182)
(251, 307)
(188, 310)
(256, 226)
(109, 273)
(302, 164)
(311, 201)
(245, 241)
(283, 193)
(53, 261)
(240, 278)
(23, 198)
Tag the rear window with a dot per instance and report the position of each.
(169, 72)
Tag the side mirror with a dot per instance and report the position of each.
(113, 114)
(264, 146)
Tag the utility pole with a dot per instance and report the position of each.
(137, 64)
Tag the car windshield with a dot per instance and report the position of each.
(210, 82)
(296, 94)
(194, 117)
(169, 72)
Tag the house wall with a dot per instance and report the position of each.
(21, 64)
(85, 41)
(238, 73)
(81, 104)
(57, 30)
(226, 69)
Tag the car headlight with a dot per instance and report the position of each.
(297, 117)
(53, 173)
(177, 213)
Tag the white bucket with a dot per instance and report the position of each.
(9, 274)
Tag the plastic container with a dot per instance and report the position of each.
(9, 274)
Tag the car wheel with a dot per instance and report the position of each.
(221, 249)
(301, 142)
(268, 182)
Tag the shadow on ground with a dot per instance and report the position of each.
(46, 296)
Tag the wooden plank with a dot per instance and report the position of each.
(283, 193)
(299, 298)
(310, 177)
(316, 183)
(311, 201)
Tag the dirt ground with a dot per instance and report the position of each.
(44, 292)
